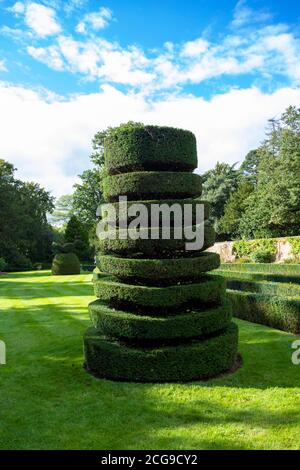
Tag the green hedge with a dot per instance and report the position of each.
(154, 248)
(177, 363)
(116, 211)
(281, 289)
(209, 290)
(260, 276)
(134, 146)
(275, 268)
(65, 263)
(277, 312)
(159, 270)
(187, 324)
(151, 184)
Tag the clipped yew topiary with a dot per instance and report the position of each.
(159, 316)
(65, 262)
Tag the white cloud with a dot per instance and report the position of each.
(194, 48)
(48, 140)
(18, 7)
(243, 15)
(96, 20)
(48, 55)
(3, 67)
(39, 18)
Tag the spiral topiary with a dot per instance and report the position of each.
(159, 315)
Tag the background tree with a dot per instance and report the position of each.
(63, 210)
(218, 184)
(25, 234)
(77, 233)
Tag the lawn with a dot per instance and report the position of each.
(48, 401)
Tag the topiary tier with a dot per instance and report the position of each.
(159, 317)
(149, 184)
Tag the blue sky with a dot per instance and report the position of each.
(69, 68)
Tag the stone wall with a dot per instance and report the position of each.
(225, 250)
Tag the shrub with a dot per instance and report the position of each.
(19, 262)
(246, 248)
(180, 363)
(118, 211)
(134, 147)
(150, 247)
(277, 312)
(262, 256)
(133, 327)
(151, 184)
(3, 264)
(208, 290)
(281, 289)
(156, 271)
(65, 263)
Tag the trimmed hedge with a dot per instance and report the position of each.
(177, 363)
(125, 325)
(260, 276)
(210, 290)
(267, 268)
(151, 247)
(158, 270)
(277, 312)
(98, 274)
(134, 146)
(65, 263)
(118, 211)
(264, 287)
(149, 184)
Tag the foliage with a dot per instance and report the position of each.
(139, 147)
(152, 185)
(218, 185)
(246, 248)
(117, 323)
(76, 232)
(277, 312)
(63, 209)
(262, 256)
(3, 264)
(65, 264)
(295, 245)
(274, 207)
(25, 235)
(235, 208)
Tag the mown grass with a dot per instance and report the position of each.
(48, 401)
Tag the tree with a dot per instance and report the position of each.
(273, 209)
(25, 235)
(218, 184)
(234, 210)
(249, 167)
(77, 233)
(88, 194)
(63, 209)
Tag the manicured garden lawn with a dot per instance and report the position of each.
(48, 401)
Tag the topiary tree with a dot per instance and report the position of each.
(159, 315)
(65, 261)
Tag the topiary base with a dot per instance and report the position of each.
(195, 360)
